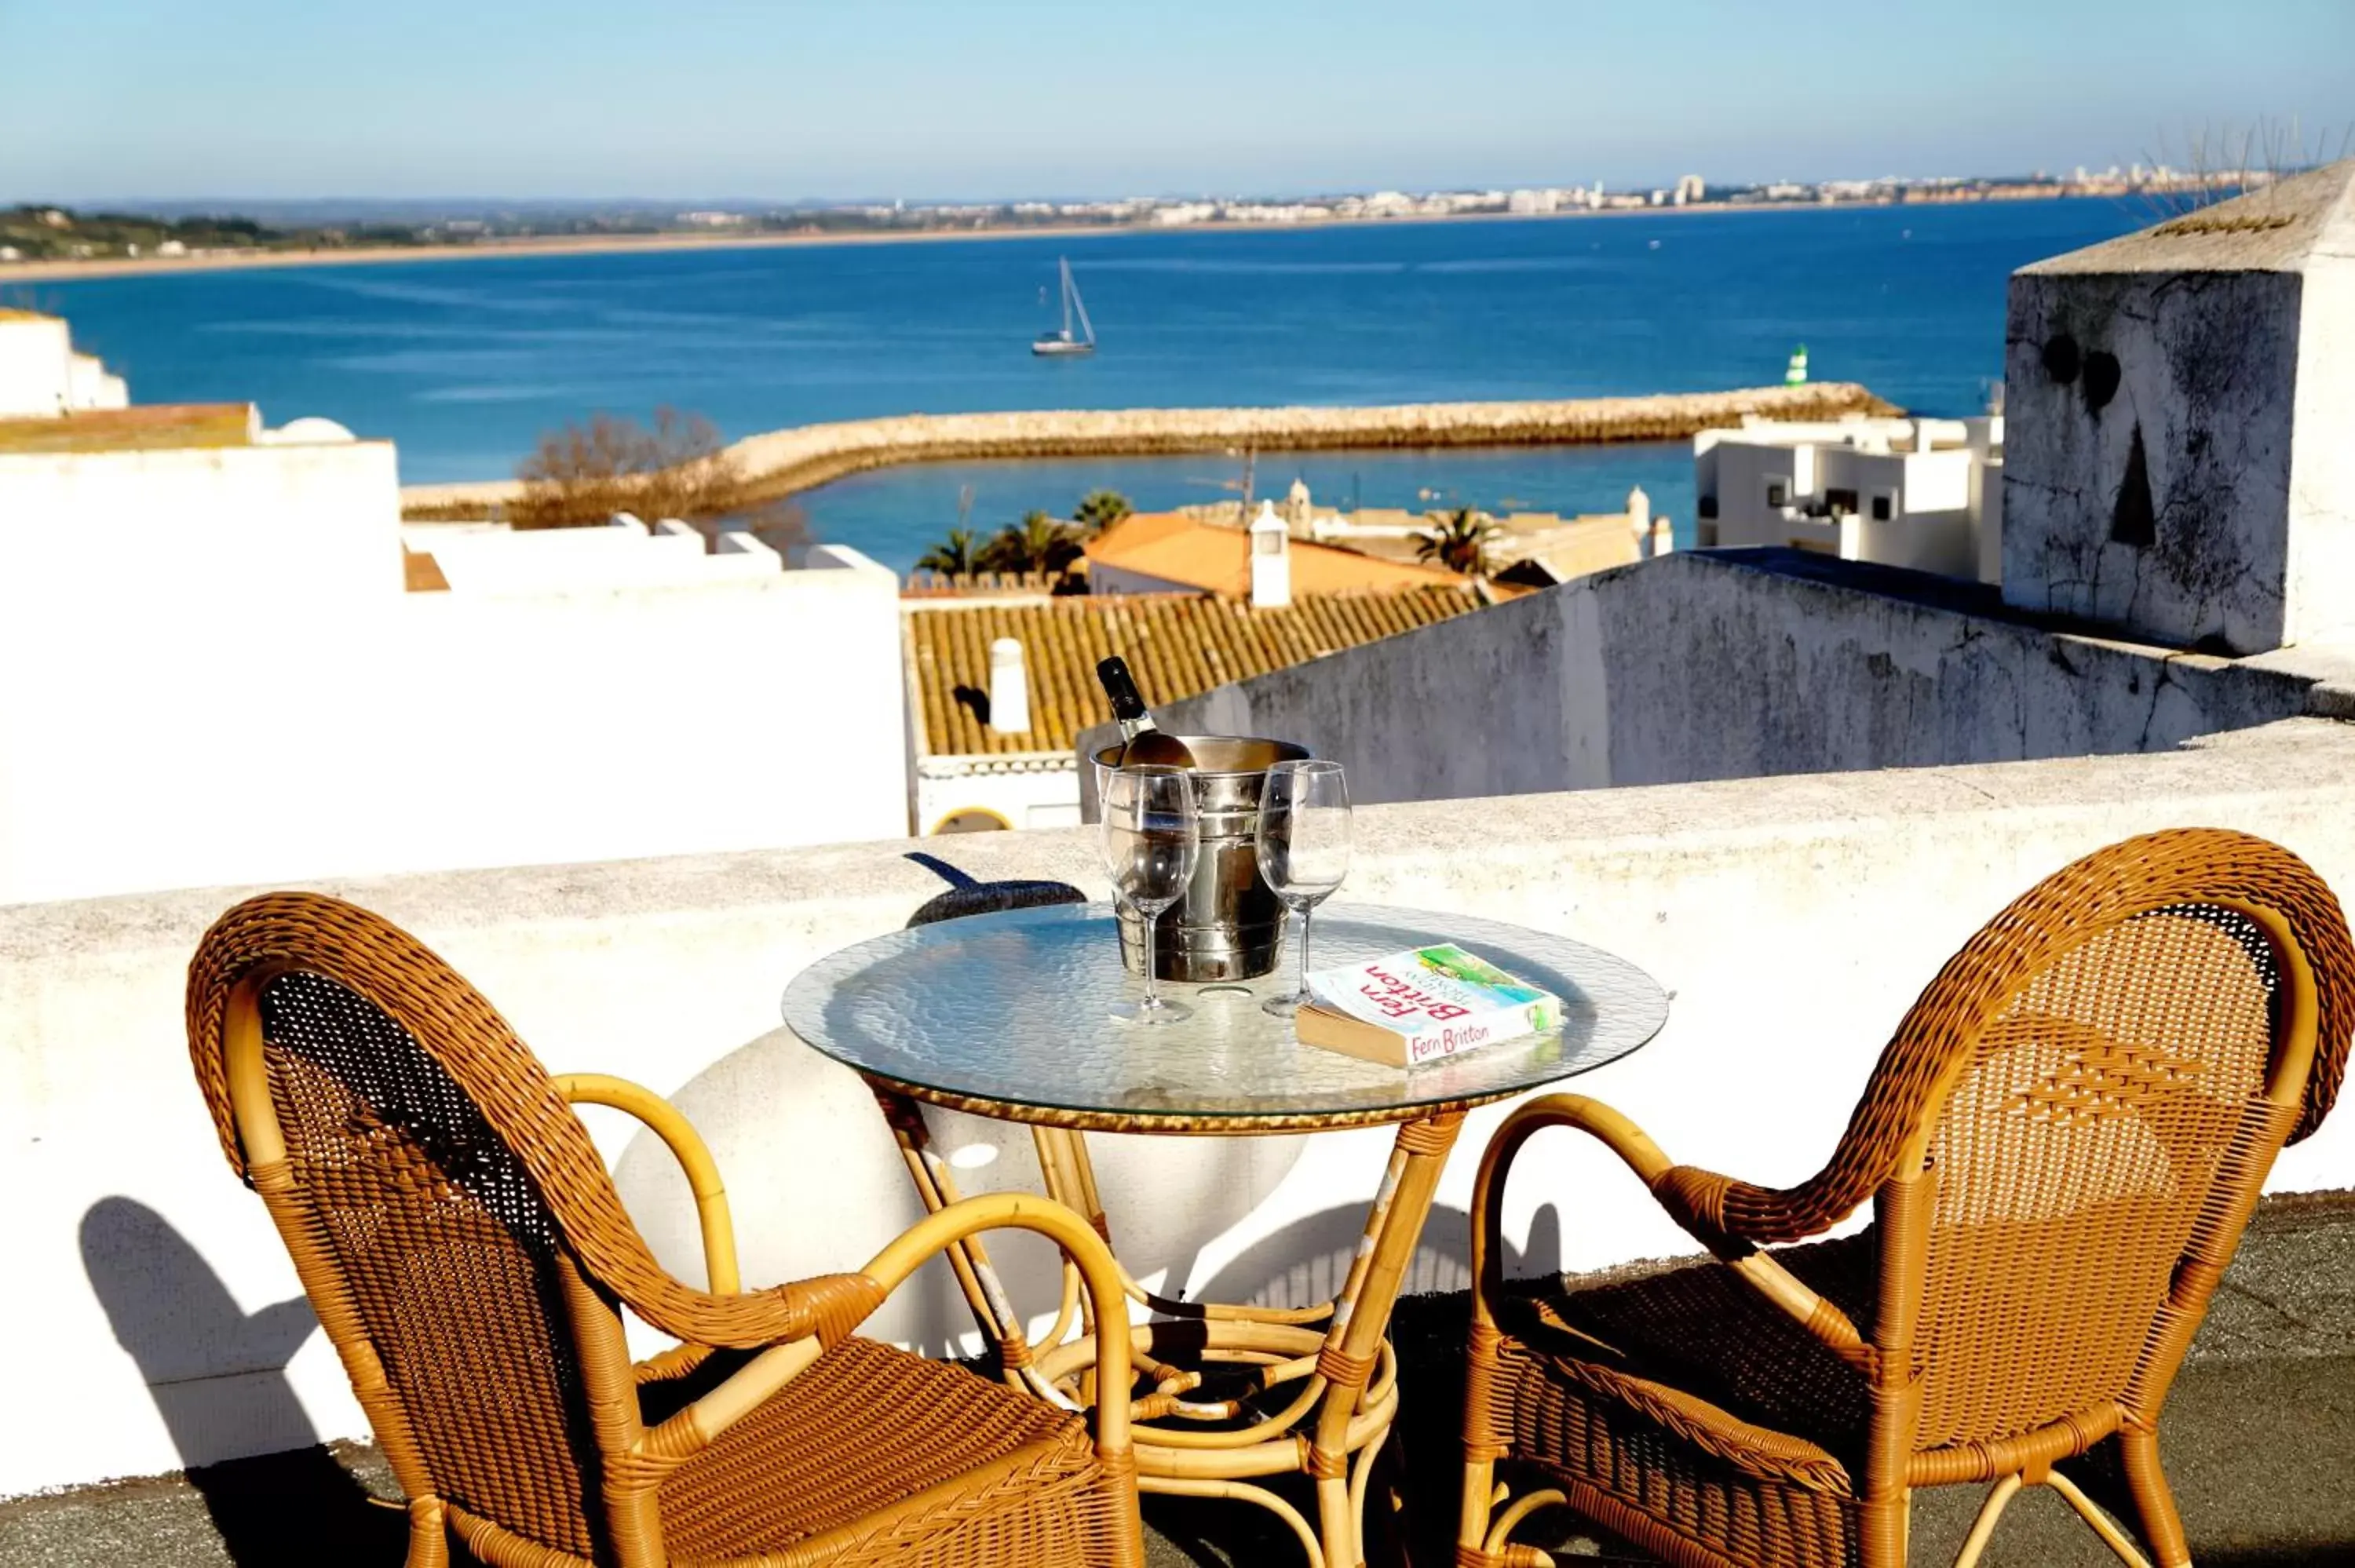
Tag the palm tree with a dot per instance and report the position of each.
(1037, 543)
(1460, 542)
(954, 556)
(1099, 510)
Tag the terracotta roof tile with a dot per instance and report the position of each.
(1178, 645)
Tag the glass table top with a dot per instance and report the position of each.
(1005, 1013)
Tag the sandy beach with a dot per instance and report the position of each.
(601, 244)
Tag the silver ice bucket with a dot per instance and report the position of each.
(1229, 924)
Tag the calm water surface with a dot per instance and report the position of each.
(463, 364)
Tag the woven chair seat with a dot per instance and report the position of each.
(863, 1428)
(1684, 1384)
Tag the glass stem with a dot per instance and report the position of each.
(1152, 963)
(1302, 994)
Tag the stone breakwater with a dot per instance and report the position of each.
(784, 461)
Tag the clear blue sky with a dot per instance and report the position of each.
(113, 99)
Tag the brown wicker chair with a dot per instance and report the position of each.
(2062, 1146)
(467, 1255)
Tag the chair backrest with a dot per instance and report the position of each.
(404, 1140)
(2098, 1084)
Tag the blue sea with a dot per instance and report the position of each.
(464, 363)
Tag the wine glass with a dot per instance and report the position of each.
(1152, 835)
(1304, 848)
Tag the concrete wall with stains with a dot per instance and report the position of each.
(1733, 665)
(2181, 405)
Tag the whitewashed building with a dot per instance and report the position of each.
(227, 669)
(1920, 494)
(42, 376)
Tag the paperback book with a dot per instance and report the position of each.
(1422, 1005)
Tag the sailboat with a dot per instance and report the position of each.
(1063, 343)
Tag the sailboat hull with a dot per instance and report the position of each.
(1056, 348)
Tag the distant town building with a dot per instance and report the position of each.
(1690, 189)
(1921, 493)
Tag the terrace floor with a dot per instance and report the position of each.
(2258, 1437)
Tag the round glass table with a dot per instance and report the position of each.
(1007, 1015)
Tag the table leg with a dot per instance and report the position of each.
(1070, 1179)
(1361, 1318)
(993, 1312)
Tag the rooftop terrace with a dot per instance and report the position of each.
(2258, 1430)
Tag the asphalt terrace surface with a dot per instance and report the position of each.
(2257, 1439)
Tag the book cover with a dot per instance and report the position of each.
(1422, 1005)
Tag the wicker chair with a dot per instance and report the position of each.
(2062, 1146)
(469, 1258)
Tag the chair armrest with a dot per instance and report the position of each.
(1682, 1191)
(703, 1421)
(687, 1147)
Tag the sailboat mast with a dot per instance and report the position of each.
(1064, 262)
(1087, 327)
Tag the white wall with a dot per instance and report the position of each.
(1020, 790)
(216, 676)
(88, 386)
(1791, 919)
(35, 369)
(626, 553)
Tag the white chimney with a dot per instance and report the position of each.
(1271, 560)
(1639, 517)
(1010, 689)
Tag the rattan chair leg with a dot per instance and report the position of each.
(2101, 1523)
(1480, 1495)
(2162, 1527)
(1336, 1524)
(429, 1534)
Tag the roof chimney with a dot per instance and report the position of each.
(1271, 560)
(1010, 689)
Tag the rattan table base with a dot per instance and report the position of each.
(1227, 1396)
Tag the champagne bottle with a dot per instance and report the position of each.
(1142, 740)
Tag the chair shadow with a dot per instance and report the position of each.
(218, 1376)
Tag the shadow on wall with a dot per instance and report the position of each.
(218, 1376)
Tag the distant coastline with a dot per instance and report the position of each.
(677, 240)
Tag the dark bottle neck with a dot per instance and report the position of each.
(1127, 702)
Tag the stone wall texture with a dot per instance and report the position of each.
(2180, 404)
